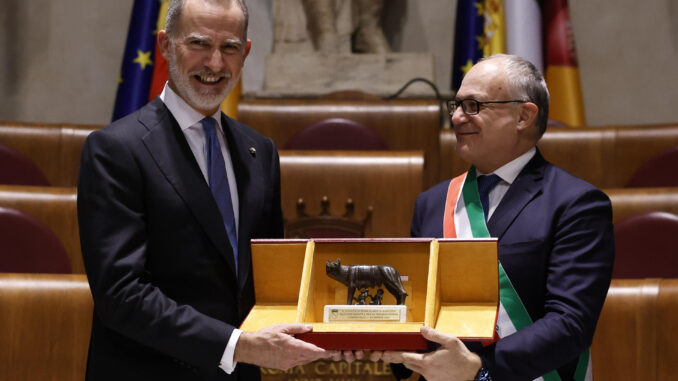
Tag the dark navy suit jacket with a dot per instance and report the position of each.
(158, 260)
(556, 244)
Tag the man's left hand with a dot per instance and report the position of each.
(451, 362)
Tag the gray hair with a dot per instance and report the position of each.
(527, 84)
(176, 6)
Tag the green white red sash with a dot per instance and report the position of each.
(464, 218)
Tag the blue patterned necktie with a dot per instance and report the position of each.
(485, 185)
(216, 173)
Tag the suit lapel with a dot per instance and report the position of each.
(525, 188)
(167, 145)
(246, 168)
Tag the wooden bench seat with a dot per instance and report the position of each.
(46, 322)
(411, 124)
(388, 181)
(605, 156)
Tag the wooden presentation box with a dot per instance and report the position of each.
(452, 286)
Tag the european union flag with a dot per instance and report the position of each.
(137, 64)
(468, 38)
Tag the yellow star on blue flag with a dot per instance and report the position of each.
(135, 82)
(468, 37)
(467, 67)
(143, 59)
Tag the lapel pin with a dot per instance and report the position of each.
(253, 152)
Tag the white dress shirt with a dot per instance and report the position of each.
(189, 121)
(508, 173)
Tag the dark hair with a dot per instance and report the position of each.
(528, 84)
(176, 6)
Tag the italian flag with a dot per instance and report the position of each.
(562, 71)
(160, 73)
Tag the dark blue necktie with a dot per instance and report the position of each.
(216, 173)
(485, 185)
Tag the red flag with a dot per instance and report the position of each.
(160, 71)
(562, 71)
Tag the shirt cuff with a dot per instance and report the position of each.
(227, 363)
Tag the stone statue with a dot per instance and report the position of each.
(331, 26)
(326, 46)
(362, 277)
(321, 18)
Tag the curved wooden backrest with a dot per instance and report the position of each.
(389, 181)
(411, 124)
(635, 337)
(646, 245)
(605, 156)
(54, 148)
(18, 169)
(56, 208)
(660, 170)
(336, 134)
(45, 324)
(29, 246)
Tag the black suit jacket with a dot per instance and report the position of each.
(158, 260)
(556, 245)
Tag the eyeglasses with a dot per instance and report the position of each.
(472, 106)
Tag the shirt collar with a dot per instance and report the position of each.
(509, 171)
(185, 115)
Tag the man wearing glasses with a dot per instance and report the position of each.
(556, 244)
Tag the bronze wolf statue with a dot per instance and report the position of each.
(364, 276)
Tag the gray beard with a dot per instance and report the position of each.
(206, 100)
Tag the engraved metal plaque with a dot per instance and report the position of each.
(341, 313)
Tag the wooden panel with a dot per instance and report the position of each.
(277, 271)
(627, 202)
(72, 141)
(402, 124)
(614, 360)
(389, 181)
(55, 207)
(54, 148)
(45, 322)
(582, 152)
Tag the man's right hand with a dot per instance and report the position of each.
(275, 347)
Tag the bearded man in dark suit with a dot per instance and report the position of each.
(168, 200)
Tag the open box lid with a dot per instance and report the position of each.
(452, 286)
